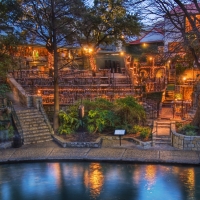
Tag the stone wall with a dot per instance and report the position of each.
(184, 142)
(144, 145)
(64, 143)
(97, 143)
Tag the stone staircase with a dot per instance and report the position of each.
(169, 95)
(34, 127)
(162, 140)
(169, 98)
(162, 133)
(172, 80)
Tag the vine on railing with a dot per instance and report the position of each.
(16, 120)
(41, 109)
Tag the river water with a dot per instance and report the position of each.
(105, 181)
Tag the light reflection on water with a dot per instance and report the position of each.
(104, 181)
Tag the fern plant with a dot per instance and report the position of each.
(69, 122)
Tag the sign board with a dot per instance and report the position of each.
(119, 132)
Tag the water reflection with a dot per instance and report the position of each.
(150, 173)
(94, 179)
(56, 172)
(98, 181)
(187, 175)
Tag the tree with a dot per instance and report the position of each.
(182, 25)
(49, 22)
(9, 38)
(105, 22)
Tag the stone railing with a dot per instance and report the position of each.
(184, 142)
(40, 107)
(20, 95)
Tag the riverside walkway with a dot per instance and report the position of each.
(50, 151)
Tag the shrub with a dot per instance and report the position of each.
(129, 111)
(137, 129)
(69, 121)
(190, 133)
(145, 132)
(10, 132)
(99, 120)
(99, 103)
(188, 127)
(178, 126)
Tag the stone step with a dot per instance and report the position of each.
(33, 125)
(32, 121)
(27, 111)
(27, 116)
(169, 93)
(164, 139)
(33, 128)
(36, 131)
(36, 135)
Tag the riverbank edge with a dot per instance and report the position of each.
(119, 155)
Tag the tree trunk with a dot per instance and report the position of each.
(196, 119)
(92, 63)
(56, 86)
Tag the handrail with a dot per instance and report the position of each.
(46, 119)
(16, 120)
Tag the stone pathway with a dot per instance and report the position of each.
(99, 154)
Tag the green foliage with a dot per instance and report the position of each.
(102, 115)
(105, 22)
(69, 121)
(10, 132)
(4, 89)
(187, 129)
(191, 133)
(7, 131)
(10, 11)
(137, 129)
(99, 102)
(143, 132)
(99, 119)
(178, 126)
(129, 111)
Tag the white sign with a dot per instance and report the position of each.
(119, 132)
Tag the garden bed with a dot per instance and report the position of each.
(89, 137)
(94, 140)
